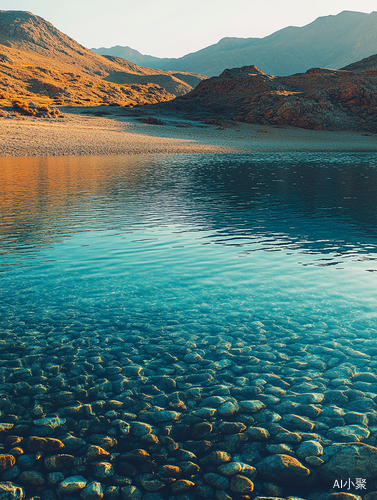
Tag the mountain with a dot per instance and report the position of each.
(38, 62)
(367, 64)
(133, 55)
(330, 41)
(318, 99)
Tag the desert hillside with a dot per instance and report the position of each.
(321, 99)
(38, 63)
(328, 42)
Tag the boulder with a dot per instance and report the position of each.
(348, 433)
(93, 491)
(71, 485)
(11, 491)
(282, 469)
(348, 460)
(6, 462)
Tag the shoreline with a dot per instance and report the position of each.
(121, 132)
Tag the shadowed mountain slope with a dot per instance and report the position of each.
(38, 62)
(330, 41)
(367, 64)
(318, 99)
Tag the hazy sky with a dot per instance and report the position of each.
(172, 28)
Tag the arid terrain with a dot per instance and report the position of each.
(39, 64)
(59, 98)
(320, 99)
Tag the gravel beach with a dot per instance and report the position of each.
(120, 132)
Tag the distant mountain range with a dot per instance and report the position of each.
(41, 64)
(328, 42)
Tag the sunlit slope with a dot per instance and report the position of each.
(39, 62)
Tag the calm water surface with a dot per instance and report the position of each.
(209, 242)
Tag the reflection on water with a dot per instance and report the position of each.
(316, 203)
(172, 233)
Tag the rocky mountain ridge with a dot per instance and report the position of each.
(329, 41)
(39, 63)
(320, 99)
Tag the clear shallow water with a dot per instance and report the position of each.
(213, 242)
(172, 290)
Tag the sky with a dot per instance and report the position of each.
(173, 28)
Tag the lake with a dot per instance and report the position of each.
(223, 303)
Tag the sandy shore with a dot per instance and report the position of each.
(121, 133)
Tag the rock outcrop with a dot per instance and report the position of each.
(319, 99)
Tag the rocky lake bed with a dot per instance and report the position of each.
(139, 414)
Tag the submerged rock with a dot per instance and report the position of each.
(136, 456)
(6, 462)
(251, 406)
(216, 458)
(93, 491)
(59, 462)
(36, 443)
(230, 468)
(232, 427)
(151, 483)
(50, 422)
(241, 484)
(348, 433)
(282, 469)
(163, 416)
(228, 409)
(11, 473)
(258, 434)
(31, 478)
(181, 486)
(10, 491)
(96, 453)
(216, 481)
(349, 460)
(103, 470)
(131, 493)
(72, 485)
(5, 427)
(54, 478)
(309, 448)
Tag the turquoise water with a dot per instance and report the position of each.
(201, 243)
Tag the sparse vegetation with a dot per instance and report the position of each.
(29, 109)
(23, 108)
